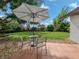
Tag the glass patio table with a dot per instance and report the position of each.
(33, 40)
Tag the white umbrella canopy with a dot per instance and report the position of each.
(31, 13)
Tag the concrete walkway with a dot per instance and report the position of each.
(55, 51)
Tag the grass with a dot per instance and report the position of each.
(49, 35)
(55, 35)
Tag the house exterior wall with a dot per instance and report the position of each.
(74, 28)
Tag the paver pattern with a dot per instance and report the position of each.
(55, 51)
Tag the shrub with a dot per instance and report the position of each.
(42, 27)
(50, 28)
(33, 29)
(64, 27)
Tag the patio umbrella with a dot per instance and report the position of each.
(31, 13)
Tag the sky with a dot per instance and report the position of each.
(54, 7)
(7, 7)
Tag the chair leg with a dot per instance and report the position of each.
(30, 52)
(37, 53)
(30, 48)
(27, 50)
(46, 49)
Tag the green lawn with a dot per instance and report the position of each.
(49, 35)
(55, 35)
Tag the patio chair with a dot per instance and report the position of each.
(19, 44)
(38, 43)
(34, 43)
(24, 42)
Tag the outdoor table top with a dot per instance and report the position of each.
(33, 36)
(34, 41)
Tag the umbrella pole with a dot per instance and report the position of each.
(33, 23)
(33, 27)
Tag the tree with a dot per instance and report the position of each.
(14, 4)
(42, 27)
(58, 20)
(50, 28)
(65, 27)
(33, 29)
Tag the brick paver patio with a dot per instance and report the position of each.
(55, 51)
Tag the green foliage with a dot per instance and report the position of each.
(50, 28)
(9, 22)
(33, 29)
(65, 27)
(4, 23)
(17, 35)
(12, 25)
(16, 3)
(55, 35)
(2, 3)
(58, 20)
(33, 2)
(56, 24)
(42, 27)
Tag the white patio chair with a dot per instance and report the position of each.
(38, 42)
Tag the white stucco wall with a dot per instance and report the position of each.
(74, 29)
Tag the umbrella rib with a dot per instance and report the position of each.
(34, 21)
(25, 15)
(41, 10)
(29, 18)
(21, 12)
(40, 18)
(28, 8)
(43, 16)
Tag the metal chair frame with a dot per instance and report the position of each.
(37, 42)
(34, 43)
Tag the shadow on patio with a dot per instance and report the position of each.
(32, 55)
(55, 51)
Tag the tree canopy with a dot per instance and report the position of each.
(16, 3)
(11, 17)
(58, 20)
